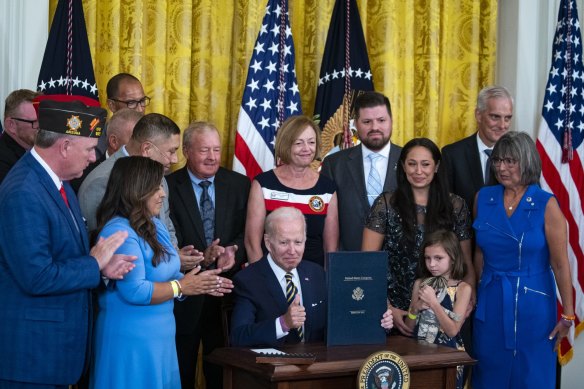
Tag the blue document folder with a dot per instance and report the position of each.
(357, 297)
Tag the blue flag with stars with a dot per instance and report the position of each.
(271, 93)
(67, 67)
(342, 35)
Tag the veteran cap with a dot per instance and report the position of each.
(70, 114)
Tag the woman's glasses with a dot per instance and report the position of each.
(509, 162)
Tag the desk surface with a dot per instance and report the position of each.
(341, 360)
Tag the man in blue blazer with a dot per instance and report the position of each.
(46, 265)
(261, 314)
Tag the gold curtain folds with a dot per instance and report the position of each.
(430, 57)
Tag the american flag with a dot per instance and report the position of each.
(67, 67)
(560, 146)
(271, 93)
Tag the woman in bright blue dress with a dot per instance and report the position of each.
(134, 336)
(521, 247)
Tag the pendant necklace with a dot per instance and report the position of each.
(515, 201)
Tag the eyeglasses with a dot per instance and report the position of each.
(132, 104)
(33, 123)
(509, 162)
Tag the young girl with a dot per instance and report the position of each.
(440, 299)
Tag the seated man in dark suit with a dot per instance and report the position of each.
(262, 314)
(282, 299)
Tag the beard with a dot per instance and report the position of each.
(375, 144)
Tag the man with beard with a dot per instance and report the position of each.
(363, 172)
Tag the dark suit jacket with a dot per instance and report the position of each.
(231, 193)
(10, 153)
(45, 277)
(259, 300)
(345, 168)
(463, 168)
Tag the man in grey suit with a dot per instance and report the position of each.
(154, 136)
(466, 160)
(357, 169)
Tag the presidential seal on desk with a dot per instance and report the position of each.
(384, 370)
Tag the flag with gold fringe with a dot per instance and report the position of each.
(560, 145)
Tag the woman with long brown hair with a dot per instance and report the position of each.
(135, 329)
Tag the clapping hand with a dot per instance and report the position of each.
(226, 259)
(112, 266)
(196, 282)
(189, 257)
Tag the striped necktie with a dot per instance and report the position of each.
(374, 186)
(291, 293)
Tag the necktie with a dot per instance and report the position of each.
(207, 212)
(291, 293)
(64, 195)
(374, 186)
(488, 167)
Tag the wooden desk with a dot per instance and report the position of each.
(337, 367)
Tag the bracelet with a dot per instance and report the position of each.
(411, 315)
(180, 293)
(566, 322)
(568, 317)
(174, 287)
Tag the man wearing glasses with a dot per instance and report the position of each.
(20, 128)
(123, 91)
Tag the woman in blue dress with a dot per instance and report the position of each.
(134, 345)
(521, 246)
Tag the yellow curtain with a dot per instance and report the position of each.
(430, 57)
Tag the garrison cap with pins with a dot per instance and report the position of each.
(70, 114)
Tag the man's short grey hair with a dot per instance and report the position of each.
(520, 146)
(283, 214)
(492, 92)
(45, 139)
(197, 128)
(121, 116)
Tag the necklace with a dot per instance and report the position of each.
(515, 201)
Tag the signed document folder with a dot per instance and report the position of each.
(357, 297)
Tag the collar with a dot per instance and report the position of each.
(384, 152)
(196, 180)
(281, 273)
(123, 148)
(482, 146)
(56, 180)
